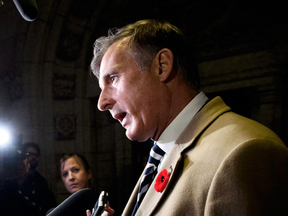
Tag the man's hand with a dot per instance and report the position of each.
(88, 213)
(107, 212)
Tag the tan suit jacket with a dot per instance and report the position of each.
(223, 164)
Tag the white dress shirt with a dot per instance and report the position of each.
(169, 136)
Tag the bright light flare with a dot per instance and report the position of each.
(5, 137)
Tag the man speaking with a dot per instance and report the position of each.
(206, 160)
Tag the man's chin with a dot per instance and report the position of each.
(131, 136)
(135, 137)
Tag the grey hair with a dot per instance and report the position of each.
(145, 38)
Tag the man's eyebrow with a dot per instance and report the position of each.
(106, 76)
(102, 79)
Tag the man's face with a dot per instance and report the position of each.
(32, 157)
(133, 97)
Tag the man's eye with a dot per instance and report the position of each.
(112, 78)
(64, 174)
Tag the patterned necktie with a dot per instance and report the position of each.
(155, 156)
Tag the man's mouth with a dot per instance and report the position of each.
(120, 116)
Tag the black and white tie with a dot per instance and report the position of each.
(155, 156)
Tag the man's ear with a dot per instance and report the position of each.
(164, 64)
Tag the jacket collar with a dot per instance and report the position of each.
(211, 111)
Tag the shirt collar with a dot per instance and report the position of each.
(177, 126)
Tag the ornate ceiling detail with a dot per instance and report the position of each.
(64, 86)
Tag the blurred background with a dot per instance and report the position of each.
(49, 96)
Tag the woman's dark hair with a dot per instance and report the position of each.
(78, 157)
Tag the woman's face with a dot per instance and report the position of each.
(74, 175)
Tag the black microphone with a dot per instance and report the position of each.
(76, 204)
(27, 8)
(101, 204)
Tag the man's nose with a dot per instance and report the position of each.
(105, 101)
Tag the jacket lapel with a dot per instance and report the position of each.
(152, 197)
(186, 141)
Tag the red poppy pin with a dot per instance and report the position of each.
(162, 180)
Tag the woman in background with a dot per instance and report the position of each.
(75, 172)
